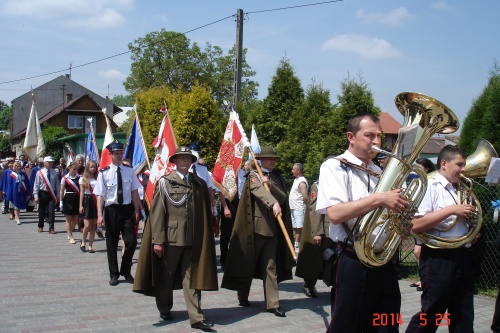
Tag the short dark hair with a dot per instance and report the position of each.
(448, 153)
(300, 167)
(426, 163)
(354, 126)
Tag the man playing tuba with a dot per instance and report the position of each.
(345, 192)
(446, 274)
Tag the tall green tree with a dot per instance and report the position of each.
(123, 100)
(483, 118)
(355, 98)
(167, 58)
(6, 118)
(301, 140)
(195, 116)
(285, 95)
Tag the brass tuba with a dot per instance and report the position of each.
(378, 234)
(476, 166)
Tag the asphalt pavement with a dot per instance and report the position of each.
(49, 285)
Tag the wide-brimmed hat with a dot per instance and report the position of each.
(115, 146)
(267, 152)
(182, 150)
(48, 159)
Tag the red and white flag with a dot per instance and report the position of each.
(228, 164)
(165, 144)
(108, 138)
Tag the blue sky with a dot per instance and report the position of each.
(444, 49)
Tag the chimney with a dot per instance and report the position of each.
(68, 76)
(69, 97)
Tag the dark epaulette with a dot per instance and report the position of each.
(104, 169)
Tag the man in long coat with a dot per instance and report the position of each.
(258, 248)
(178, 245)
(313, 243)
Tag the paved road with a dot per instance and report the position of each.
(48, 285)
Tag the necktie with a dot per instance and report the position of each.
(120, 189)
(48, 177)
(186, 179)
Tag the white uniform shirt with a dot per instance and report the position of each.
(92, 183)
(440, 194)
(296, 201)
(338, 185)
(203, 173)
(107, 184)
(241, 181)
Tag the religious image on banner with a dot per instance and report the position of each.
(228, 163)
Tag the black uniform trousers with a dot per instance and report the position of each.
(447, 277)
(120, 219)
(363, 295)
(226, 229)
(46, 207)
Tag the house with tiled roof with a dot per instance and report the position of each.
(64, 103)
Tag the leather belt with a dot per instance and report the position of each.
(345, 246)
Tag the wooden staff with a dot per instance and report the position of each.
(280, 221)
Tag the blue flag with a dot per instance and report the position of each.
(135, 150)
(91, 150)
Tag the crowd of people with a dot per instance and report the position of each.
(265, 231)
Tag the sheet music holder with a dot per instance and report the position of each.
(493, 175)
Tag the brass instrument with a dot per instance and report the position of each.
(476, 166)
(378, 234)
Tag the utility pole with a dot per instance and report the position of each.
(238, 56)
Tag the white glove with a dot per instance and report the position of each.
(215, 211)
(143, 214)
(61, 205)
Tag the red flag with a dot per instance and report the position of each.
(108, 138)
(228, 164)
(166, 144)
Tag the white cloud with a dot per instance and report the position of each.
(111, 74)
(86, 14)
(366, 47)
(441, 5)
(393, 18)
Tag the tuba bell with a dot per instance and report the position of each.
(378, 234)
(476, 166)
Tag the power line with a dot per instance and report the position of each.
(292, 7)
(194, 29)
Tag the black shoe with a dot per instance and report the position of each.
(99, 234)
(113, 281)
(309, 292)
(419, 289)
(166, 316)
(276, 312)
(413, 285)
(129, 278)
(244, 303)
(203, 325)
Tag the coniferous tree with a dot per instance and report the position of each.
(285, 95)
(483, 118)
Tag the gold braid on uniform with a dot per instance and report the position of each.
(169, 198)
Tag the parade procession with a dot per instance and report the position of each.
(181, 201)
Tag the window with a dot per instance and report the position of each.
(75, 122)
(80, 122)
